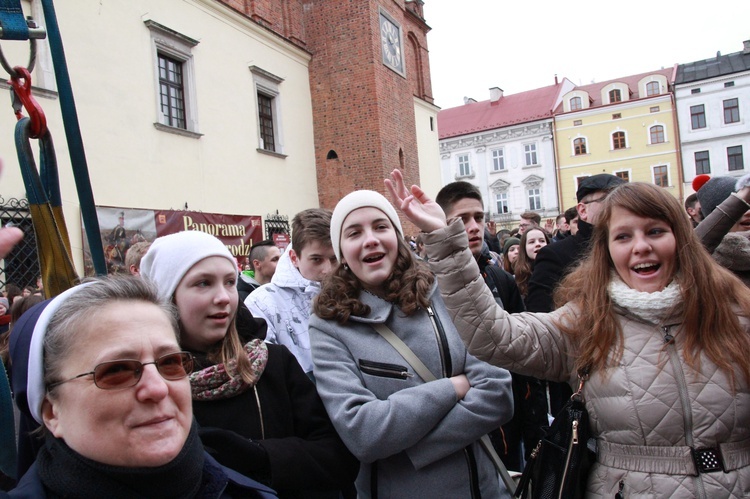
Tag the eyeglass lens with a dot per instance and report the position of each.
(127, 373)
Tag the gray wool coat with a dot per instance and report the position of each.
(414, 438)
(646, 412)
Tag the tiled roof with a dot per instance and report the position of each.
(595, 89)
(513, 109)
(713, 67)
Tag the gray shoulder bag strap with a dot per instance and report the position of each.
(424, 373)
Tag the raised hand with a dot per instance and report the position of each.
(414, 203)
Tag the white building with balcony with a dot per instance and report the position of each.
(504, 146)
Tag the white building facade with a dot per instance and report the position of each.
(713, 111)
(236, 137)
(513, 167)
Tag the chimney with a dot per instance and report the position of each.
(746, 47)
(468, 100)
(495, 94)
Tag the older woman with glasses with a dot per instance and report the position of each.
(100, 369)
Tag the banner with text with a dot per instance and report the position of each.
(121, 228)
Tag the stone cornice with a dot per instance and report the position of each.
(497, 136)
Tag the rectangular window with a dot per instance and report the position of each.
(265, 117)
(695, 91)
(617, 116)
(530, 151)
(731, 111)
(728, 84)
(734, 158)
(535, 199)
(502, 202)
(618, 140)
(577, 122)
(171, 91)
(653, 109)
(623, 174)
(661, 176)
(702, 163)
(579, 146)
(656, 133)
(268, 92)
(698, 116)
(498, 160)
(464, 167)
(174, 80)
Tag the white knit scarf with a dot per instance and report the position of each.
(650, 307)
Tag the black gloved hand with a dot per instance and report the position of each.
(237, 452)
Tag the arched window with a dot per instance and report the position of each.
(618, 140)
(575, 104)
(579, 146)
(615, 95)
(332, 155)
(657, 134)
(652, 88)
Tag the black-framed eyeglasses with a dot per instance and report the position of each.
(124, 373)
(599, 200)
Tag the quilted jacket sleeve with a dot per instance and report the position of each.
(526, 343)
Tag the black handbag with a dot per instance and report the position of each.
(559, 465)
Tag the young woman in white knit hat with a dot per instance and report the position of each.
(415, 437)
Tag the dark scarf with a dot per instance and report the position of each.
(65, 473)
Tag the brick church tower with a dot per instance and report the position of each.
(369, 63)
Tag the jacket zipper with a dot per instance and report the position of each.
(573, 442)
(447, 368)
(687, 414)
(445, 358)
(260, 414)
(384, 370)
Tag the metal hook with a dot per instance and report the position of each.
(35, 32)
(21, 91)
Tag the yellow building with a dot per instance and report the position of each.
(626, 127)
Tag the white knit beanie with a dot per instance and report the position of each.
(353, 201)
(171, 257)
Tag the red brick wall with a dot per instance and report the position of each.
(284, 17)
(362, 110)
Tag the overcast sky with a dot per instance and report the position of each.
(521, 45)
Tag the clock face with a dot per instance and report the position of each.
(390, 40)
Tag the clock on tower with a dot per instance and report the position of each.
(390, 41)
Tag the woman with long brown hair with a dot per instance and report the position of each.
(662, 329)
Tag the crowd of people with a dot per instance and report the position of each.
(366, 362)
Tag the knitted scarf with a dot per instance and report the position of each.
(650, 307)
(221, 382)
(65, 473)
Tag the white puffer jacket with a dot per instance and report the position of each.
(646, 413)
